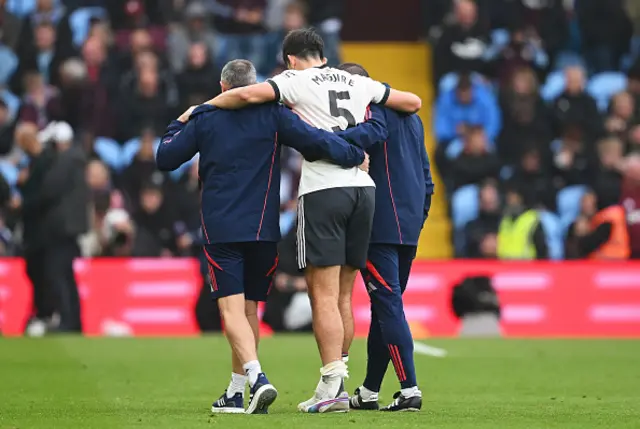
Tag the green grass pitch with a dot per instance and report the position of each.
(69, 383)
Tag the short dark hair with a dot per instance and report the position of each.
(303, 44)
(354, 68)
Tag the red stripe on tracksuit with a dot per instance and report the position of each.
(266, 195)
(271, 272)
(372, 269)
(397, 362)
(212, 274)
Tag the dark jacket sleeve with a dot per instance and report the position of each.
(368, 133)
(428, 179)
(178, 145)
(315, 144)
(59, 179)
(593, 241)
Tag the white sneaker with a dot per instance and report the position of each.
(36, 328)
(325, 402)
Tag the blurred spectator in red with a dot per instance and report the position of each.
(10, 25)
(7, 128)
(41, 103)
(127, 16)
(475, 164)
(631, 201)
(606, 33)
(621, 115)
(573, 162)
(463, 43)
(240, 30)
(97, 117)
(575, 105)
(523, 51)
(480, 234)
(154, 223)
(200, 80)
(149, 103)
(608, 177)
(196, 29)
(46, 11)
(533, 177)
(524, 113)
(142, 170)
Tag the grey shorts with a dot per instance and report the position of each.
(334, 227)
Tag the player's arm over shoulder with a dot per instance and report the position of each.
(394, 99)
(238, 98)
(286, 86)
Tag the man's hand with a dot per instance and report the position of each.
(365, 165)
(184, 118)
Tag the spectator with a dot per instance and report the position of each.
(533, 177)
(580, 228)
(154, 223)
(7, 128)
(11, 26)
(196, 30)
(186, 197)
(469, 103)
(34, 235)
(631, 202)
(50, 11)
(241, 30)
(97, 118)
(131, 16)
(524, 113)
(576, 106)
(481, 233)
(573, 162)
(65, 193)
(200, 80)
(523, 51)
(73, 80)
(604, 235)
(633, 87)
(43, 57)
(475, 164)
(608, 180)
(520, 235)
(606, 33)
(294, 19)
(326, 17)
(41, 103)
(139, 41)
(621, 117)
(149, 61)
(463, 43)
(148, 104)
(143, 169)
(544, 20)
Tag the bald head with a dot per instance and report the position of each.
(237, 73)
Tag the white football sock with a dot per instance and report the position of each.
(332, 375)
(252, 369)
(410, 392)
(237, 384)
(367, 394)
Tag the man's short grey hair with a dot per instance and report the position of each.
(239, 73)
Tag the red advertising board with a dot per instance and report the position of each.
(157, 297)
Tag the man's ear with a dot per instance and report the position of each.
(324, 60)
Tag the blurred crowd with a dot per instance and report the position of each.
(87, 88)
(537, 121)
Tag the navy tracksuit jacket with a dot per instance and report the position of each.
(239, 171)
(239, 164)
(400, 167)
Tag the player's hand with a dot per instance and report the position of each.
(187, 114)
(365, 165)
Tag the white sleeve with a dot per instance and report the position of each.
(286, 85)
(376, 91)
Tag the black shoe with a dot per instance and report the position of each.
(228, 405)
(400, 403)
(262, 395)
(356, 402)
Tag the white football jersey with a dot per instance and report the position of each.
(333, 100)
